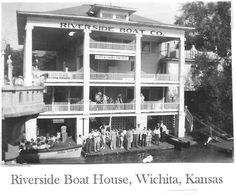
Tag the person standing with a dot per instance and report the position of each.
(156, 134)
(149, 137)
(139, 135)
(88, 144)
(96, 137)
(163, 130)
(135, 138)
(144, 135)
(113, 139)
(63, 133)
(122, 135)
(103, 136)
(129, 138)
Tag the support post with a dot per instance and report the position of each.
(31, 129)
(86, 66)
(28, 56)
(138, 74)
(181, 124)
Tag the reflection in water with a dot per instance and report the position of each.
(198, 154)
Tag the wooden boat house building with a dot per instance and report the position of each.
(94, 50)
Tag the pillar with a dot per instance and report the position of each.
(138, 74)
(141, 119)
(28, 56)
(181, 123)
(31, 129)
(86, 126)
(79, 127)
(86, 66)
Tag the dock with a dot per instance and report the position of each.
(108, 151)
(161, 146)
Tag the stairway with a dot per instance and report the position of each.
(188, 120)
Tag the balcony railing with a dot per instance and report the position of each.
(159, 77)
(64, 107)
(22, 101)
(115, 46)
(112, 107)
(62, 75)
(154, 105)
(112, 76)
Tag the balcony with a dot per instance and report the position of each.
(21, 101)
(124, 107)
(64, 107)
(55, 76)
(155, 105)
(112, 77)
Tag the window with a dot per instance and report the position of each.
(107, 15)
(146, 46)
(121, 16)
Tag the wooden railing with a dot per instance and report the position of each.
(159, 77)
(189, 118)
(64, 107)
(59, 75)
(111, 107)
(155, 105)
(112, 76)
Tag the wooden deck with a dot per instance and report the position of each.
(222, 145)
(108, 151)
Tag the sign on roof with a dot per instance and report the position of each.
(70, 25)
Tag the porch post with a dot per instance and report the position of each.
(86, 67)
(28, 56)
(138, 81)
(31, 129)
(181, 124)
(138, 74)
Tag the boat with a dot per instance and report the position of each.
(222, 145)
(178, 143)
(58, 151)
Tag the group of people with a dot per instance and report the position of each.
(102, 98)
(44, 142)
(121, 138)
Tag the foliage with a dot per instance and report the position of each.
(212, 22)
(212, 76)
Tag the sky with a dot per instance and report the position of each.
(164, 11)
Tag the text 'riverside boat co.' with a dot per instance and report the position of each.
(110, 29)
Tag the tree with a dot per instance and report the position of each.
(212, 22)
(212, 76)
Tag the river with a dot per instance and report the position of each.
(195, 154)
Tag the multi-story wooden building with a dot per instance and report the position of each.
(94, 50)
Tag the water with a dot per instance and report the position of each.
(194, 154)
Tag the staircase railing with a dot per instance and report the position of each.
(217, 131)
(189, 118)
